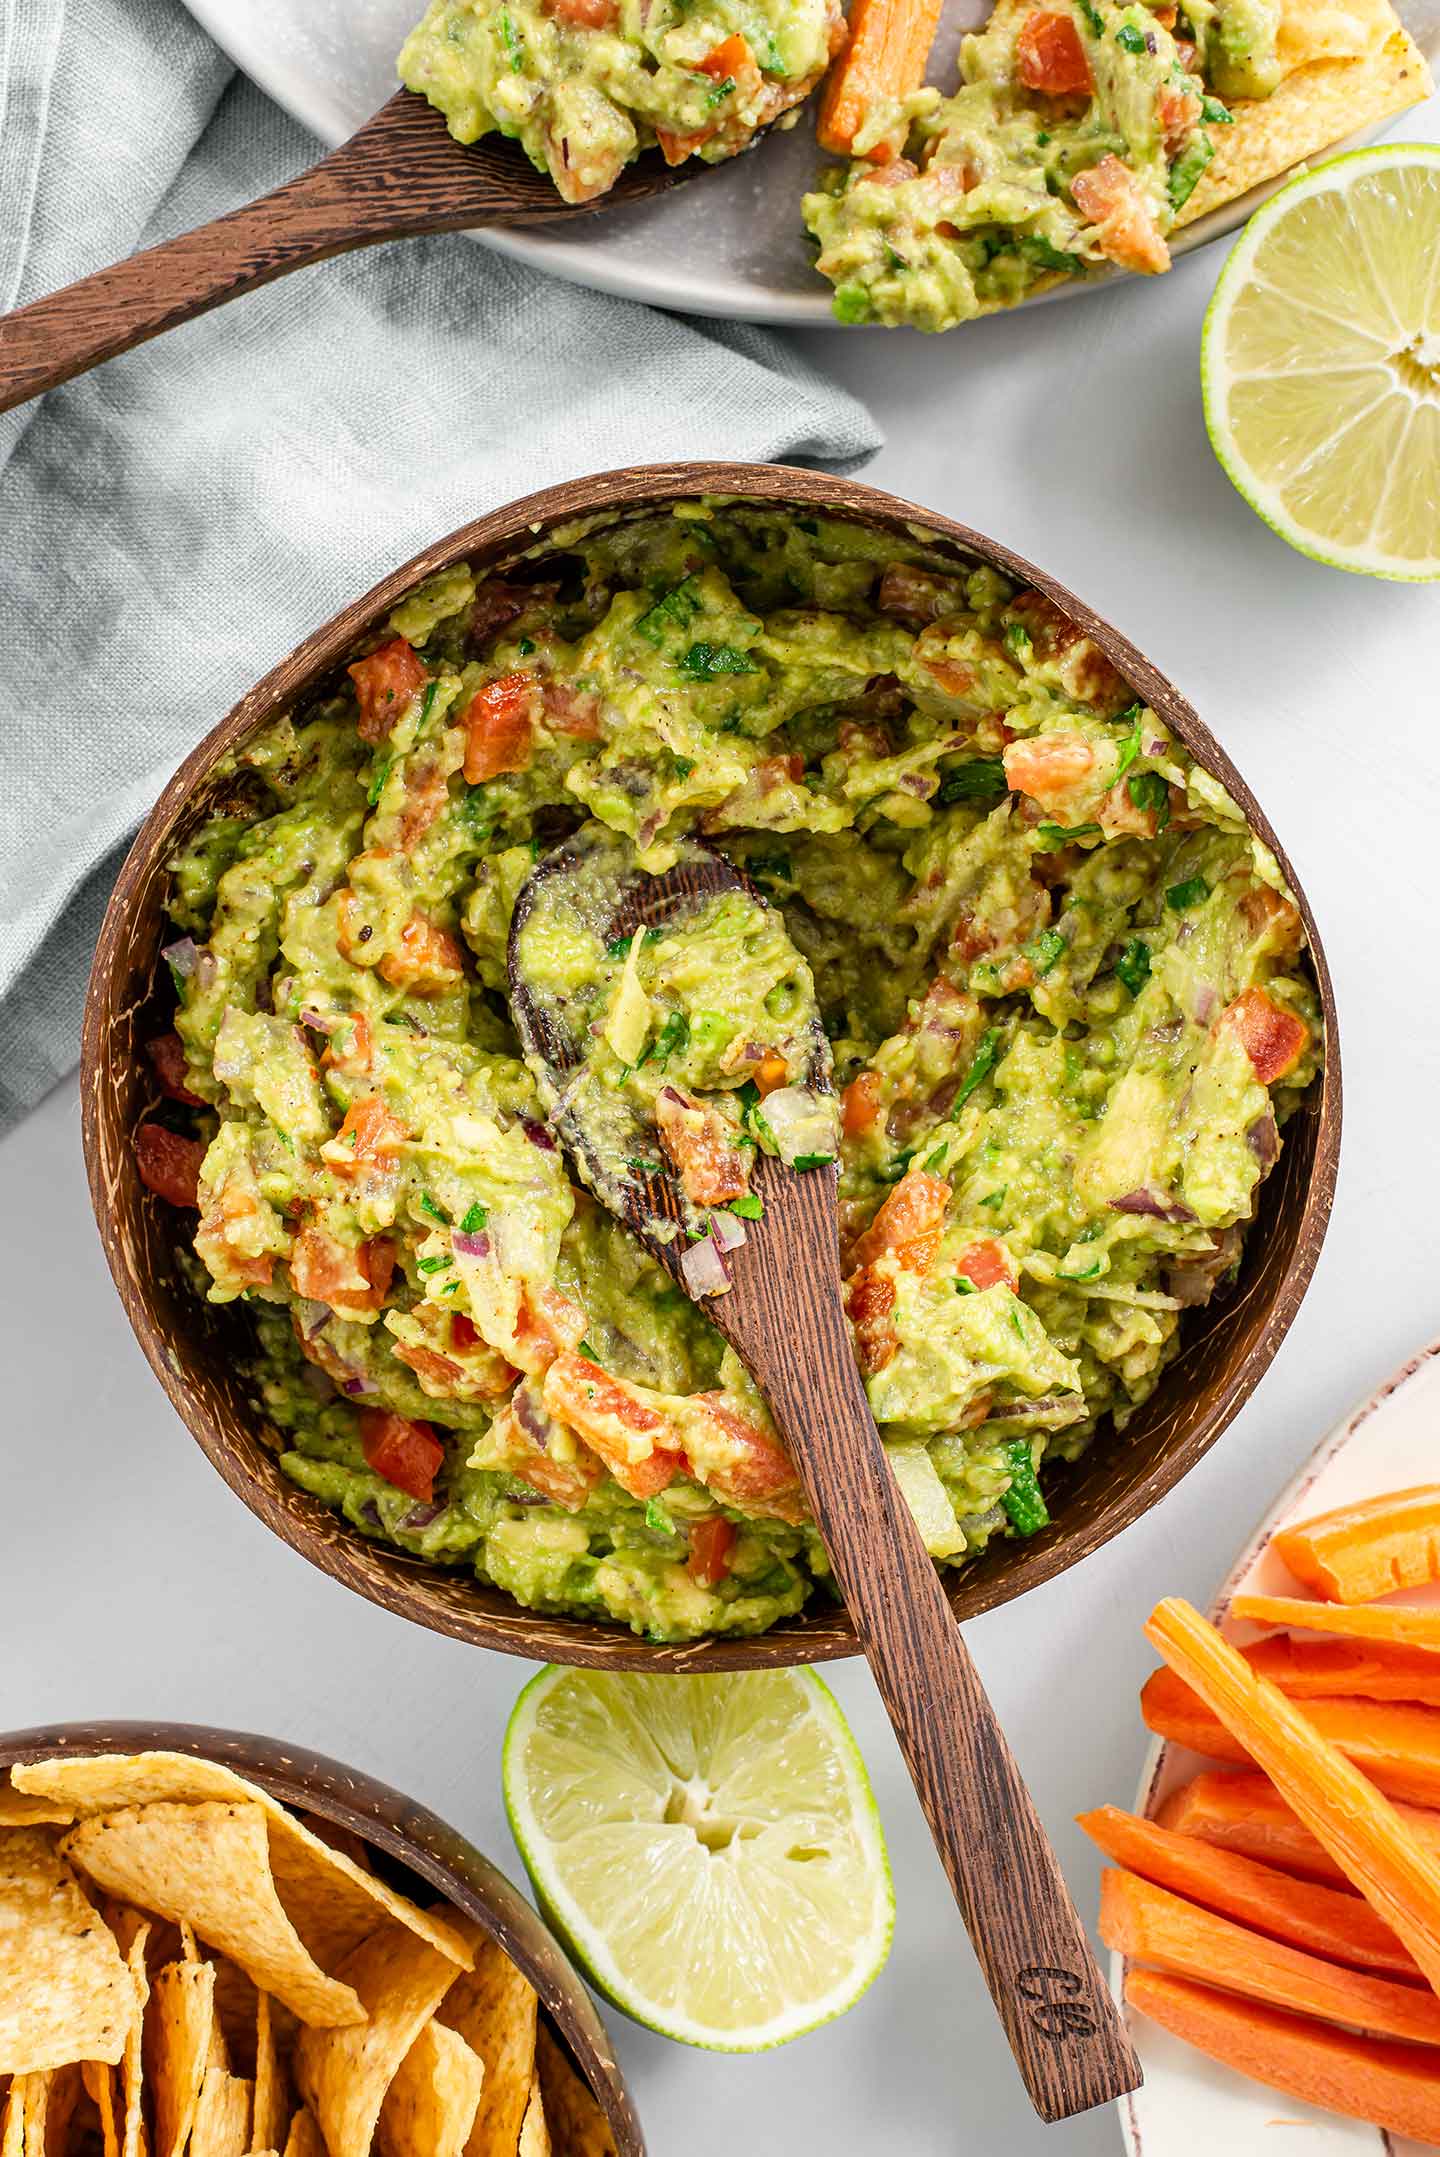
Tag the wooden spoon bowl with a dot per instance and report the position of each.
(197, 1350)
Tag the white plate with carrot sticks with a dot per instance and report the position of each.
(732, 243)
(1273, 1903)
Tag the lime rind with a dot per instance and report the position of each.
(753, 1937)
(1218, 379)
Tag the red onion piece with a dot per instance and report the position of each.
(1203, 1008)
(1155, 1209)
(314, 1317)
(1263, 1139)
(320, 1022)
(728, 1231)
(703, 1269)
(476, 1246)
(182, 955)
(537, 1134)
(420, 1516)
(358, 1386)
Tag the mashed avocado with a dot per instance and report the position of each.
(586, 85)
(1077, 133)
(1063, 987)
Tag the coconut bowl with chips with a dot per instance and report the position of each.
(220, 1944)
(199, 1351)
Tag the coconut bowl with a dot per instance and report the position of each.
(195, 1348)
(416, 1851)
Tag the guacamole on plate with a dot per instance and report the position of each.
(585, 85)
(1062, 983)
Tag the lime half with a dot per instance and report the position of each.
(1321, 362)
(708, 1848)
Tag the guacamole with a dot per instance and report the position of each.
(585, 85)
(676, 1051)
(1077, 134)
(1063, 987)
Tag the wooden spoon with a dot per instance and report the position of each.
(785, 1318)
(402, 173)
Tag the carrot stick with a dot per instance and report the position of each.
(1395, 2087)
(1406, 1628)
(1359, 1552)
(1397, 1745)
(1146, 1922)
(1395, 1872)
(1247, 1814)
(888, 52)
(1318, 1919)
(1370, 1670)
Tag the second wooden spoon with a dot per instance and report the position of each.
(785, 1318)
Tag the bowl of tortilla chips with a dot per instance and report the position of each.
(215, 1945)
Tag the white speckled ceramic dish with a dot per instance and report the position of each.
(1188, 2103)
(730, 244)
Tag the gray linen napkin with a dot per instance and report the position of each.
(172, 524)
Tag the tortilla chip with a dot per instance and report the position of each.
(19, 1809)
(132, 2070)
(222, 2117)
(1331, 30)
(1313, 110)
(99, 2082)
(189, 1947)
(494, 2009)
(334, 1903)
(12, 2127)
(212, 1863)
(579, 2127)
(179, 2027)
(343, 1839)
(50, 2137)
(344, 2074)
(534, 2135)
(272, 2104)
(304, 2138)
(430, 2106)
(64, 1991)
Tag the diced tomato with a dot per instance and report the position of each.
(169, 1165)
(463, 1334)
(585, 14)
(1271, 917)
(167, 1057)
(950, 675)
(1048, 767)
(1274, 1040)
(1178, 112)
(676, 148)
(368, 1138)
(731, 57)
(697, 1140)
(756, 1475)
(498, 726)
(497, 604)
(908, 1223)
(770, 1072)
(1086, 673)
(711, 1542)
(869, 1300)
(860, 1104)
(1110, 196)
(547, 1323)
(384, 685)
(633, 1439)
(427, 959)
(986, 1264)
(1050, 56)
(917, 596)
(352, 1046)
(353, 1280)
(407, 1454)
(436, 1372)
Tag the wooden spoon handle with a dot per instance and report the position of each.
(1062, 2025)
(400, 174)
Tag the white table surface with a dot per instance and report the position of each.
(132, 1583)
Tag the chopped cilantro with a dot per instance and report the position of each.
(1130, 747)
(963, 1287)
(619, 947)
(677, 607)
(1133, 965)
(1023, 1502)
(721, 91)
(750, 1207)
(525, 647)
(1018, 641)
(377, 784)
(707, 662)
(1039, 251)
(1051, 836)
(427, 705)
(1093, 16)
(657, 1518)
(974, 780)
(802, 1161)
(1214, 114)
(1017, 1324)
(1046, 950)
(428, 1205)
(1148, 790)
(684, 765)
(475, 1218)
(772, 865)
(894, 259)
(982, 1064)
(672, 1037)
(935, 1161)
(1186, 894)
(434, 1265)
(1129, 39)
(896, 1168)
(1087, 1273)
(1186, 171)
(588, 1352)
(509, 40)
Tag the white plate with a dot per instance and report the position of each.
(732, 244)
(1188, 2103)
